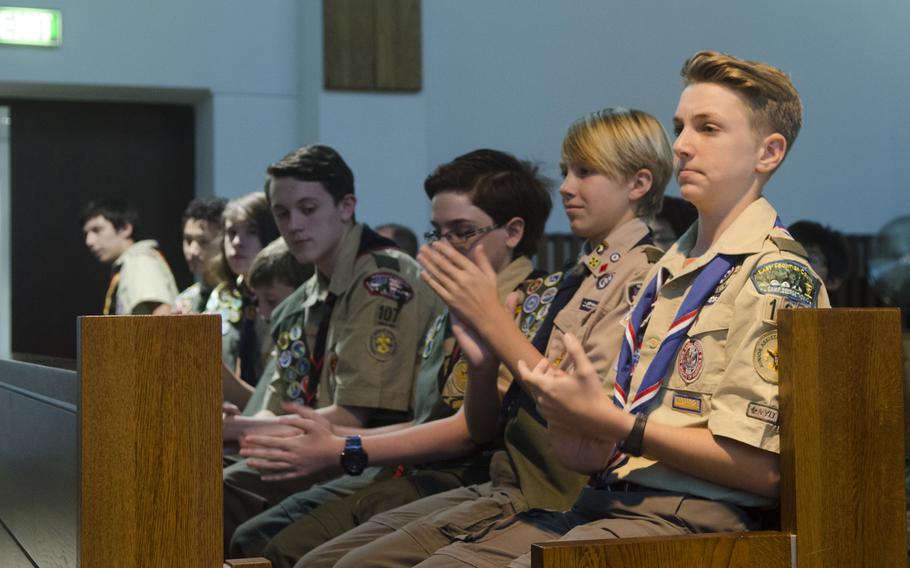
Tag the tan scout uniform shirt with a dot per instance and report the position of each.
(615, 270)
(373, 342)
(440, 385)
(144, 276)
(233, 307)
(724, 375)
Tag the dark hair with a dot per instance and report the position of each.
(254, 208)
(314, 163)
(831, 242)
(403, 237)
(118, 212)
(276, 263)
(678, 213)
(206, 209)
(502, 186)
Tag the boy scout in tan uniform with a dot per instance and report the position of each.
(483, 198)
(142, 277)
(587, 301)
(347, 341)
(689, 441)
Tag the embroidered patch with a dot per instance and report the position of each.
(295, 333)
(291, 374)
(763, 412)
(553, 279)
(542, 312)
(383, 344)
(303, 366)
(603, 268)
(533, 286)
(298, 350)
(387, 315)
(548, 295)
(632, 291)
(615, 257)
(456, 383)
(605, 280)
(433, 336)
(527, 321)
(787, 279)
(587, 304)
(600, 248)
(283, 340)
(690, 361)
(765, 357)
(531, 303)
(685, 402)
(284, 360)
(293, 391)
(389, 286)
(593, 262)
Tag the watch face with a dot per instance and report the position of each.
(354, 461)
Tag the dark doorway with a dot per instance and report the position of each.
(63, 154)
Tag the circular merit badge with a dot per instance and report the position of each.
(764, 357)
(531, 303)
(296, 333)
(690, 361)
(383, 344)
(284, 360)
(548, 295)
(283, 340)
(298, 350)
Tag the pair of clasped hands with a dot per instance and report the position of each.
(578, 411)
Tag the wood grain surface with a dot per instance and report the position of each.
(150, 432)
(842, 454)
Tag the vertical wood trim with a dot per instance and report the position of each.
(842, 490)
(150, 433)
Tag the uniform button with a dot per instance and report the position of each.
(654, 343)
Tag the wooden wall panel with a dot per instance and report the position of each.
(372, 45)
(151, 486)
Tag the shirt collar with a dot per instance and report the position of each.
(344, 262)
(513, 275)
(138, 246)
(620, 240)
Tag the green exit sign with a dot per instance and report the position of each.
(30, 26)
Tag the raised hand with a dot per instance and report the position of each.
(468, 289)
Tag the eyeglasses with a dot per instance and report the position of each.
(459, 237)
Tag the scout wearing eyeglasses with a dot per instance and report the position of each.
(688, 441)
(348, 340)
(616, 164)
(480, 189)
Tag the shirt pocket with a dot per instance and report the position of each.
(701, 360)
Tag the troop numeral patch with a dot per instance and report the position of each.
(387, 315)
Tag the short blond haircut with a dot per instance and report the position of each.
(768, 91)
(618, 142)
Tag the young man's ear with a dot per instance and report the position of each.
(640, 184)
(126, 231)
(773, 150)
(346, 207)
(515, 231)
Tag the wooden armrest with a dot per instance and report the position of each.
(247, 563)
(769, 549)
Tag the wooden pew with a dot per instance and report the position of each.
(842, 460)
(119, 465)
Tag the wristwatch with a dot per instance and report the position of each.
(631, 446)
(354, 458)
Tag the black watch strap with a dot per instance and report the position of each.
(631, 446)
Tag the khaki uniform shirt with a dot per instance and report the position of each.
(615, 270)
(381, 314)
(724, 375)
(144, 276)
(441, 383)
(229, 303)
(192, 300)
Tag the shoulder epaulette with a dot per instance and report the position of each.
(790, 245)
(386, 261)
(653, 254)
